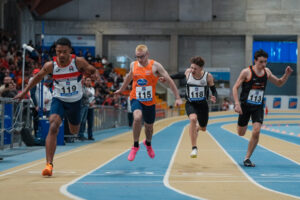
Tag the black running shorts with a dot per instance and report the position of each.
(255, 112)
(200, 109)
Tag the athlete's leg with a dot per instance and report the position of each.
(148, 131)
(257, 120)
(243, 121)
(73, 116)
(55, 122)
(137, 124)
(74, 129)
(136, 129)
(192, 131)
(241, 130)
(254, 139)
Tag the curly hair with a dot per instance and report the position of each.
(198, 61)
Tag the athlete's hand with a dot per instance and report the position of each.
(238, 109)
(162, 79)
(288, 70)
(119, 91)
(178, 102)
(20, 96)
(95, 76)
(213, 99)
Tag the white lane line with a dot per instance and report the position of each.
(246, 175)
(168, 172)
(266, 147)
(151, 182)
(40, 162)
(63, 188)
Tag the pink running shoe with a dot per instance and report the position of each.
(132, 153)
(149, 150)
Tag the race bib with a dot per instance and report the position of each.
(144, 93)
(196, 93)
(68, 88)
(255, 97)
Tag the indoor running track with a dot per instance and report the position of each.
(100, 170)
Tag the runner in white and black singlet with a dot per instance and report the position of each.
(197, 95)
(254, 81)
(67, 71)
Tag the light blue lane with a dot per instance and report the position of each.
(22, 155)
(290, 138)
(140, 179)
(272, 170)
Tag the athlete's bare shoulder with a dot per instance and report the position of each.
(80, 60)
(245, 74)
(48, 67)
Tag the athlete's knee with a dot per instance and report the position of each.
(255, 134)
(241, 130)
(203, 128)
(137, 118)
(54, 122)
(74, 129)
(193, 119)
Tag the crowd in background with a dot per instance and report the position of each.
(11, 70)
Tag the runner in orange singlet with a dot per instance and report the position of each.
(144, 73)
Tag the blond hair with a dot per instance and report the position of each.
(141, 47)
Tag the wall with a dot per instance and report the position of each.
(239, 20)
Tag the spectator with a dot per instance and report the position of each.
(47, 98)
(88, 114)
(10, 90)
(225, 104)
(6, 81)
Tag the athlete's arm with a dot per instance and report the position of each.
(87, 69)
(187, 72)
(243, 77)
(163, 73)
(47, 69)
(211, 84)
(279, 81)
(127, 80)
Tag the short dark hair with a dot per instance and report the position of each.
(260, 53)
(63, 41)
(198, 61)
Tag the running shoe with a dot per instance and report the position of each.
(248, 163)
(132, 153)
(194, 153)
(48, 170)
(149, 150)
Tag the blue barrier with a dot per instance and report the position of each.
(44, 128)
(8, 113)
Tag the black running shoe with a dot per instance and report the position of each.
(248, 163)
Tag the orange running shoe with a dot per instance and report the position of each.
(48, 170)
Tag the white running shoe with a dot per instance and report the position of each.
(194, 153)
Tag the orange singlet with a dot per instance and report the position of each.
(144, 83)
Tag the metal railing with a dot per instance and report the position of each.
(109, 117)
(14, 115)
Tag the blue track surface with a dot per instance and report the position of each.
(272, 170)
(121, 179)
(128, 180)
